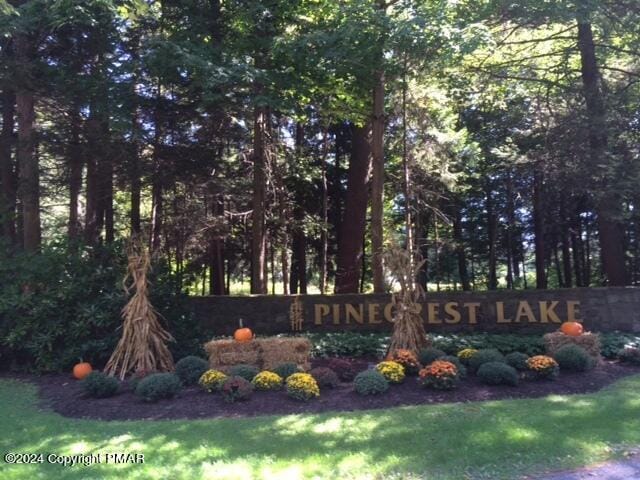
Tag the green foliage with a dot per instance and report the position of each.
(99, 385)
(485, 356)
(497, 373)
(64, 304)
(613, 342)
(325, 377)
(286, 369)
(370, 382)
(236, 389)
(630, 355)
(343, 368)
(159, 386)
(504, 343)
(245, 371)
(574, 358)
(517, 360)
(190, 369)
(348, 344)
(428, 355)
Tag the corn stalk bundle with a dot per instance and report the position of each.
(143, 345)
(408, 328)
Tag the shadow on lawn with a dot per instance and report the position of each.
(483, 440)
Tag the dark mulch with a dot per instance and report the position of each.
(62, 394)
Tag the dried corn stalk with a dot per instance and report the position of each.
(408, 328)
(143, 345)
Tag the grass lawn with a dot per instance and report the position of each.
(476, 440)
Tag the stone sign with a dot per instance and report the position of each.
(519, 311)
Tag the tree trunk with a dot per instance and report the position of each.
(324, 235)
(608, 205)
(216, 249)
(460, 253)
(492, 233)
(258, 234)
(565, 240)
(377, 184)
(539, 227)
(75, 173)
(352, 228)
(29, 171)
(8, 180)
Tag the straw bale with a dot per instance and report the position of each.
(589, 341)
(263, 353)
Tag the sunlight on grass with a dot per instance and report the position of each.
(498, 438)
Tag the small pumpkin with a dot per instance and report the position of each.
(81, 370)
(243, 334)
(573, 329)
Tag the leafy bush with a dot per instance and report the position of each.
(212, 380)
(497, 373)
(286, 369)
(99, 385)
(630, 355)
(465, 355)
(236, 389)
(485, 356)
(245, 371)
(574, 358)
(542, 366)
(325, 377)
(302, 386)
(517, 360)
(343, 368)
(134, 379)
(504, 343)
(159, 386)
(392, 371)
(430, 354)
(441, 375)
(267, 381)
(407, 359)
(462, 370)
(190, 369)
(349, 344)
(370, 382)
(65, 302)
(613, 342)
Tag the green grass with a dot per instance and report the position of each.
(490, 440)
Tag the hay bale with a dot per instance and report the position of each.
(589, 341)
(275, 351)
(263, 353)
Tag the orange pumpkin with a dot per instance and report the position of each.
(573, 329)
(243, 334)
(81, 370)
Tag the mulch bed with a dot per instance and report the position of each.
(62, 394)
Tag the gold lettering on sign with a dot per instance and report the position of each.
(433, 310)
(472, 311)
(388, 312)
(573, 310)
(320, 310)
(500, 313)
(547, 313)
(336, 313)
(352, 313)
(451, 309)
(374, 310)
(524, 310)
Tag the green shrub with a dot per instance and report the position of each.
(462, 370)
(348, 344)
(504, 343)
(440, 374)
(245, 371)
(630, 355)
(613, 342)
(236, 389)
(430, 354)
(72, 307)
(370, 382)
(485, 356)
(302, 386)
(99, 385)
(190, 369)
(497, 373)
(159, 386)
(517, 360)
(286, 369)
(574, 358)
(325, 377)
(343, 368)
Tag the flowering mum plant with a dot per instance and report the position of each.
(392, 371)
(441, 375)
(543, 366)
(407, 359)
(212, 380)
(267, 381)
